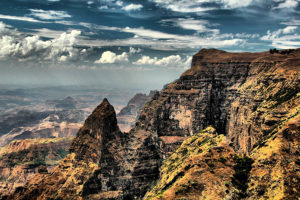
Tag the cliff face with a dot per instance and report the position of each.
(128, 116)
(261, 120)
(247, 97)
(22, 159)
(207, 167)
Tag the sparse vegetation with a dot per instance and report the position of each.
(272, 51)
(283, 95)
(181, 174)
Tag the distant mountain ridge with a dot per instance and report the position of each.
(33, 124)
(66, 103)
(128, 116)
(234, 117)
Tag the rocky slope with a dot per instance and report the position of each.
(128, 116)
(247, 97)
(201, 168)
(21, 159)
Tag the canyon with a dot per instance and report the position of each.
(128, 115)
(228, 128)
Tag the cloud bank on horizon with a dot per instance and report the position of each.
(150, 35)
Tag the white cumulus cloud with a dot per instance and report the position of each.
(23, 48)
(131, 7)
(289, 29)
(285, 38)
(288, 4)
(236, 3)
(4, 29)
(172, 61)
(276, 34)
(194, 6)
(109, 57)
(119, 3)
(133, 50)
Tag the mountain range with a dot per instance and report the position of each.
(228, 128)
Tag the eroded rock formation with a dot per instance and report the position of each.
(128, 116)
(247, 97)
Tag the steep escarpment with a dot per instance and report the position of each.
(128, 116)
(225, 90)
(205, 166)
(247, 97)
(261, 121)
(21, 159)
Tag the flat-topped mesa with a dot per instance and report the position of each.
(100, 127)
(214, 56)
(219, 56)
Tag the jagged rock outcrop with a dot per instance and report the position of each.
(96, 145)
(128, 116)
(22, 159)
(245, 96)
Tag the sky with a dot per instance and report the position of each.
(132, 43)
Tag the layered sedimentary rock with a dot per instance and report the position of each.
(22, 159)
(128, 116)
(247, 97)
(262, 121)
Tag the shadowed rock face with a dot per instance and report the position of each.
(128, 116)
(98, 130)
(245, 96)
